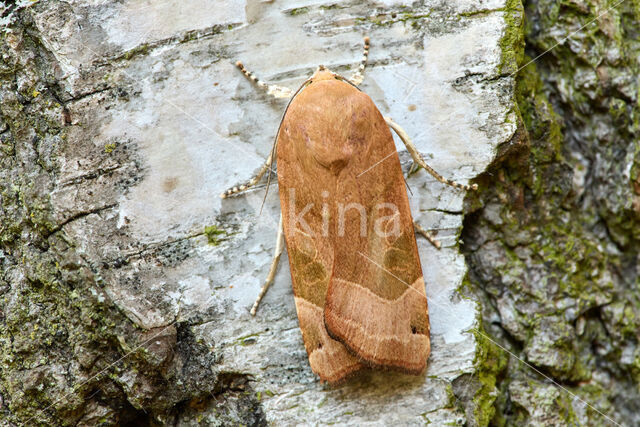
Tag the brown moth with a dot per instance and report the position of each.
(345, 216)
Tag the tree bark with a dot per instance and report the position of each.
(126, 281)
(553, 248)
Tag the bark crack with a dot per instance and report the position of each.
(80, 215)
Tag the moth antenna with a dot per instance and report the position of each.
(406, 184)
(273, 90)
(275, 141)
(358, 76)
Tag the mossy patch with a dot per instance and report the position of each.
(298, 11)
(512, 42)
(108, 148)
(490, 361)
(215, 235)
(142, 49)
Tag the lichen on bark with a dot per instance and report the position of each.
(552, 237)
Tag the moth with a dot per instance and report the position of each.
(345, 217)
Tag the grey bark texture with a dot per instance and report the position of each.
(125, 280)
(553, 246)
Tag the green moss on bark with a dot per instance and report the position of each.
(490, 362)
(512, 42)
(552, 243)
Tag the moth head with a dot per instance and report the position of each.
(323, 73)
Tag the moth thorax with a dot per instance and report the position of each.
(323, 73)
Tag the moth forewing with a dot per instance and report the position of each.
(363, 275)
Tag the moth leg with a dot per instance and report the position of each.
(435, 242)
(358, 76)
(274, 266)
(417, 157)
(253, 181)
(273, 90)
(413, 169)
